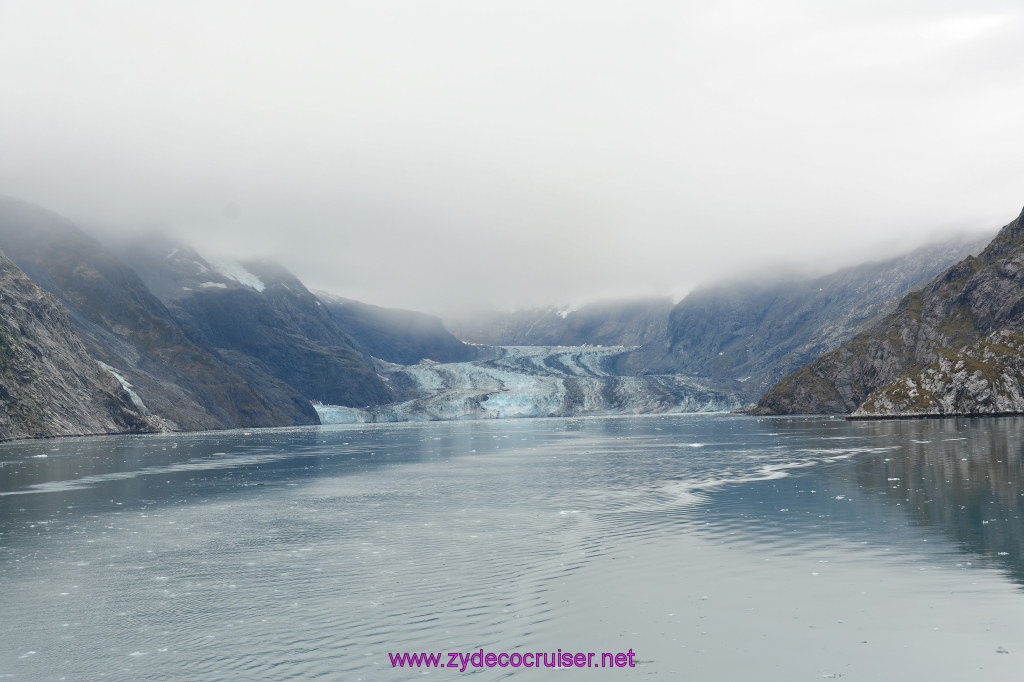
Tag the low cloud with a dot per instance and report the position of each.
(437, 155)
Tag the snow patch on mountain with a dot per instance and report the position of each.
(129, 389)
(235, 271)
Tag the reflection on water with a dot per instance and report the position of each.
(292, 553)
(960, 477)
(963, 477)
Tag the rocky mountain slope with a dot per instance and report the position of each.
(121, 323)
(49, 384)
(951, 348)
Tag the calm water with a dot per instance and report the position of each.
(715, 547)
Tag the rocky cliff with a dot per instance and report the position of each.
(984, 378)
(49, 384)
(951, 348)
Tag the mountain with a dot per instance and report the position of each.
(146, 334)
(951, 348)
(122, 324)
(627, 322)
(49, 384)
(398, 336)
(258, 314)
(740, 337)
(747, 335)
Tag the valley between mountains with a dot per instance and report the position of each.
(146, 334)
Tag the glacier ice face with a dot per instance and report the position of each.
(337, 414)
(530, 381)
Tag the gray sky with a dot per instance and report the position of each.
(430, 154)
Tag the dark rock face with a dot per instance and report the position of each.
(403, 337)
(260, 318)
(948, 349)
(49, 384)
(123, 325)
(297, 344)
(608, 323)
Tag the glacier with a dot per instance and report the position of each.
(529, 381)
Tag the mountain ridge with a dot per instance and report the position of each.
(917, 355)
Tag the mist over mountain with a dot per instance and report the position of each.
(757, 332)
(125, 326)
(624, 322)
(421, 156)
(740, 336)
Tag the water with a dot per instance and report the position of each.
(712, 546)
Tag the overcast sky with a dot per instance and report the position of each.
(435, 154)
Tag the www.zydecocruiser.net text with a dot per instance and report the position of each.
(463, 660)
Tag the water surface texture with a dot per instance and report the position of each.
(712, 546)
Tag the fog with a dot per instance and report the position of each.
(438, 155)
